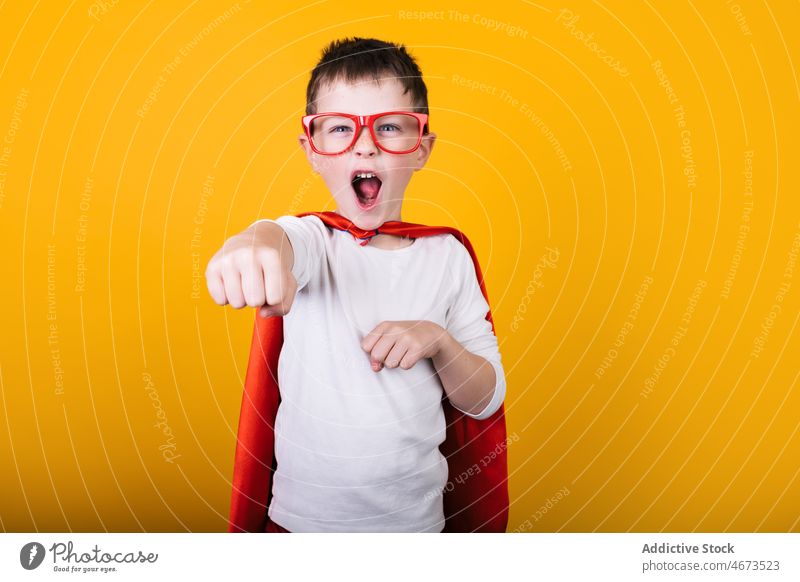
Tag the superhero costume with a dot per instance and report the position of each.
(475, 449)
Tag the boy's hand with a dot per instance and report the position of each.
(402, 343)
(249, 270)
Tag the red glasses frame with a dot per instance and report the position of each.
(368, 121)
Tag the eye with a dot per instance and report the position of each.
(389, 127)
(339, 129)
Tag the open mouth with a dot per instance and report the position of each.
(366, 186)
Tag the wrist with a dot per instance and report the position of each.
(271, 240)
(445, 346)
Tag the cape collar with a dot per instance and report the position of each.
(340, 222)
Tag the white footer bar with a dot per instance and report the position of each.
(389, 557)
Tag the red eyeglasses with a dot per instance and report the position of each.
(395, 132)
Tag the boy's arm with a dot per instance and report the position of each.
(469, 380)
(474, 382)
(468, 358)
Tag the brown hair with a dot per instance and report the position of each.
(356, 59)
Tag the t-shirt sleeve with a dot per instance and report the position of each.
(466, 322)
(307, 236)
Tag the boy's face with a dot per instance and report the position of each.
(393, 170)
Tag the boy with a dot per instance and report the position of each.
(377, 326)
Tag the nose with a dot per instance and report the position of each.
(364, 145)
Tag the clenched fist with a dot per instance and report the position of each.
(254, 268)
(403, 343)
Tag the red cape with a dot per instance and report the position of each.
(476, 494)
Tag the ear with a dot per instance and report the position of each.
(310, 155)
(424, 151)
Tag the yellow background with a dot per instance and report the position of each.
(641, 272)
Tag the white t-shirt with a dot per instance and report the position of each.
(358, 450)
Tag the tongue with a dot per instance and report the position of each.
(368, 187)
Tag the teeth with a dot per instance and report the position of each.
(365, 175)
